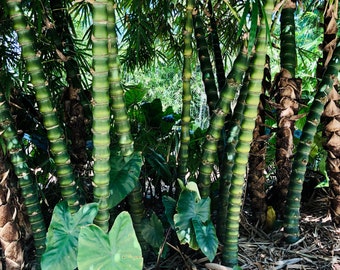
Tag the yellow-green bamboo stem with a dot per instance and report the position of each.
(186, 92)
(26, 181)
(208, 76)
(101, 113)
(50, 118)
(122, 126)
(234, 81)
(230, 248)
(292, 213)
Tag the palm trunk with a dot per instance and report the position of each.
(206, 68)
(122, 127)
(287, 91)
(43, 96)
(73, 110)
(186, 92)
(257, 163)
(220, 72)
(26, 182)
(292, 211)
(11, 247)
(233, 131)
(330, 115)
(230, 248)
(101, 113)
(217, 123)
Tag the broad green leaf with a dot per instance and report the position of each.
(153, 232)
(134, 94)
(187, 209)
(123, 177)
(170, 209)
(206, 237)
(192, 186)
(62, 236)
(159, 164)
(117, 250)
(187, 236)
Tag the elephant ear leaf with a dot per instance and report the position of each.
(206, 237)
(123, 177)
(119, 249)
(187, 209)
(62, 236)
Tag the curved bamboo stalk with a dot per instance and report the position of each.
(101, 113)
(26, 181)
(230, 248)
(186, 92)
(43, 96)
(122, 126)
(220, 72)
(210, 145)
(233, 130)
(208, 77)
(292, 212)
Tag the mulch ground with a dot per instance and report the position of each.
(318, 247)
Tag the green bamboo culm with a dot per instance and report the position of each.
(186, 92)
(234, 80)
(287, 37)
(205, 63)
(292, 211)
(218, 59)
(233, 129)
(26, 181)
(50, 119)
(121, 120)
(101, 113)
(230, 248)
(122, 125)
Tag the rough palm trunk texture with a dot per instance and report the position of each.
(10, 232)
(257, 163)
(332, 145)
(332, 114)
(292, 213)
(288, 91)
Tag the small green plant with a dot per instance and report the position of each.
(73, 241)
(190, 217)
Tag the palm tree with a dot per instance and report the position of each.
(331, 110)
(138, 32)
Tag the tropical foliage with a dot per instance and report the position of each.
(133, 129)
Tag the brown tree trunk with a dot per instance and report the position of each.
(287, 90)
(11, 237)
(331, 115)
